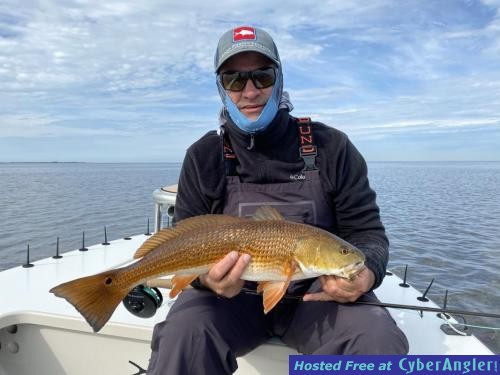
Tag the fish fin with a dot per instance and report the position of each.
(179, 282)
(95, 297)
(273, 291)
(267, 213)
(183, 226)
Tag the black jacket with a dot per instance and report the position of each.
(273, 159)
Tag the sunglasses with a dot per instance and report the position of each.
(236, 81)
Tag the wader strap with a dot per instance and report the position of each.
(307, 149)
(228, 154)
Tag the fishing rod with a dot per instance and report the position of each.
(443, 310)
(167, 283)
(431, 309)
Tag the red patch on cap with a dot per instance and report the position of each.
(243, 33)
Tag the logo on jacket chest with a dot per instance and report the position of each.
(298, 176)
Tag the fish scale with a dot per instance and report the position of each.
(267, 246)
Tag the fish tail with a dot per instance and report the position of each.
(95, 297)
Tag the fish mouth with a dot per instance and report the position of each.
(353, 269)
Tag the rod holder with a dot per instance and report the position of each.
(28, 264)
(140, 370)
(83, 248)
(404, 284)
(445, 302)
(423, 297)
(57, 256)
(105, 243)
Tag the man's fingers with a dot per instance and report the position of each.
(338, 285)
(220, 269)
(224, 278)
(334, 289)
(237, 270)
(322, 296)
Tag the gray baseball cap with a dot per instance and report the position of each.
(245, 39)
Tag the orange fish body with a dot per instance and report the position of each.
(281, 251)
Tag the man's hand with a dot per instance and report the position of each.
(224, 278)
(343, 290)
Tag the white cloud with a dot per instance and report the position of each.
(31, 125)
(87, 67)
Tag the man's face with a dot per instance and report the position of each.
(251, 100)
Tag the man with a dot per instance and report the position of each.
(311, 173)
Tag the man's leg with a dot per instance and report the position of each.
(331, 328)
(203, 334)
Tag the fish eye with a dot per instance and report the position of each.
(108, 281)
(344, 250)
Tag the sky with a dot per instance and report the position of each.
(117, 81)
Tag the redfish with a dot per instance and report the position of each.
(280, 250)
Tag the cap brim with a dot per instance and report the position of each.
(246, 47)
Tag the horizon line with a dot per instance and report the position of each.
(180, 162)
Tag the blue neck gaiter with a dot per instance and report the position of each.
(266, 116)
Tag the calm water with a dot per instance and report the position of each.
(442, 219)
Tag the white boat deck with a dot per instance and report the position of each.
(40, 333)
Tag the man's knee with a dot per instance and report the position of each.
(377, 334)
(383, 337)
(167, 331)
(189, 347)
(371, 331)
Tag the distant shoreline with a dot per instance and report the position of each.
(90, 162)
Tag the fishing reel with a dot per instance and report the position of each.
(143, 301)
